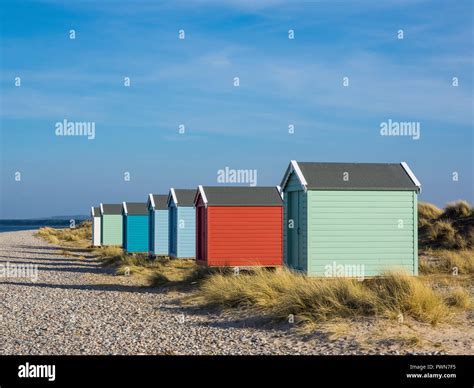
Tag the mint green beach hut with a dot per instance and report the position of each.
(111, 224)
(350, 219)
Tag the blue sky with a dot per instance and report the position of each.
(190, 82)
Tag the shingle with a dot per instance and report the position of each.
(360, 176)
(242, 196)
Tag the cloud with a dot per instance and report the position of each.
(376, 86)
(203, 84)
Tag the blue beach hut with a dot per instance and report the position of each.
(159, 224)
(135, 227)
(182, 223)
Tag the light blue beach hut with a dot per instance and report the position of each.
(182, 223)
(159, 224)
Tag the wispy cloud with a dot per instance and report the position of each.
(376, 86)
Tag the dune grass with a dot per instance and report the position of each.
(446, 261)
(79, 236)
(176, 272)
(457, 209)
(450, 228)
(156, 272)
(459, 298)
(428, 211)
(284, 293)
(108, 251)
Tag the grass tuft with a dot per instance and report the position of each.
(445, 261)
(179, 272)
(459, 298)
(457, 209)
(451, 228)
(399, 293)
(108, 251)
(152, 272)
(78, 236)
(428, 211)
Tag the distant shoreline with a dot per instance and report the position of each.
(12, 225)
(44, 219)
(20, 228)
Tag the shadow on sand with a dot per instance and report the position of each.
(55, 248)
(88, 287)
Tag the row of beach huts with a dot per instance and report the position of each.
(322, 215)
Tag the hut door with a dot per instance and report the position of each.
(173, 230)
(293, 228)
(151, 232)
(201, 235)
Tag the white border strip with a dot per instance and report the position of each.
(92, 211)
(280, 191)
(173, 194)
(152, 201)
(101, 209)
(299, 174)
(203, 194)
(411, 175)
(125, 207)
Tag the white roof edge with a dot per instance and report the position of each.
(101, 208)
(152, 201)
(92, 211)
(411, 175)
(280, 191)
(299, 174)
(203, 194)
(168, 199)
(173, 194)
(293, 167)
(125, 207)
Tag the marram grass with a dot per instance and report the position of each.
(81, 233)
(284, 293)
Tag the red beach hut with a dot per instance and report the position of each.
(239, 226)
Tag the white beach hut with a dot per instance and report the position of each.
(96, 227)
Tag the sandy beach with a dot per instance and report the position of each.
(75, 306)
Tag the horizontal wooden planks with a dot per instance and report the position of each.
(137, 233)
(111, 228)
(160, 232)
(373, 229)
(240, 235)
